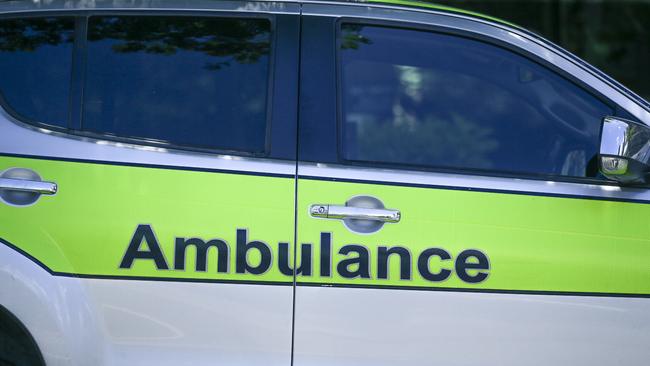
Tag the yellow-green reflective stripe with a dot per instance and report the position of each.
(86, 227)
(534, 243)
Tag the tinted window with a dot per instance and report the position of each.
(36, 66)
(426, 99)
(193, 81)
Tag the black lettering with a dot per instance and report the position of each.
(383, 258)
(325, 254)
(462, 266)
(243, 246)
(362, 262)
(305, 260)
(201, 253)
(423, 264)
(133, 252)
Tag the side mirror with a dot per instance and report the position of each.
(625, 151)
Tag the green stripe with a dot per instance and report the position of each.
(86, 227)
(534, 243)
(428, 5)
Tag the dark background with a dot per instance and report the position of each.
(613, 35)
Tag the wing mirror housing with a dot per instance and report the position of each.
(625, 151)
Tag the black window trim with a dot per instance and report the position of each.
(78, 65)
(467, 35)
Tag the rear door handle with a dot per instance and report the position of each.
(33, 186)
(359, 213)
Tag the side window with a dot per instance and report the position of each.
(189, 81)
(36, 67)
(424, 99)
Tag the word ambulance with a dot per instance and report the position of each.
(470, 265)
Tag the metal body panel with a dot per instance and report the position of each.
(55, 311)
(145, 323)
(118, 322)
(50, 262)
(344, 326)
(129, 321)
(564, 240)
(367, 319)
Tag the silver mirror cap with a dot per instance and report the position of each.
(625, 151)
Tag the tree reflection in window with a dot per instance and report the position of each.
(184, 80)
(424, 99)
(35, 67)
(242, 41)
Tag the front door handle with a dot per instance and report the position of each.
(358, 213)
(33, 186)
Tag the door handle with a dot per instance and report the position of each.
(357, 213)
(32, 186)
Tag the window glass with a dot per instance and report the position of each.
(191, 81)
(36, 67)
(419, 98)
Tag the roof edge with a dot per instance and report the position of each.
(433, 6)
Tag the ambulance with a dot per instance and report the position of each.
(311, 183)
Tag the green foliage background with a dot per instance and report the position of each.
(613, 35)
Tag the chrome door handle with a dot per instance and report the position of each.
(358, 213)
(33, 186)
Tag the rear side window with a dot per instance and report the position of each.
(184, 80)
(36, 67)
(423, 99)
